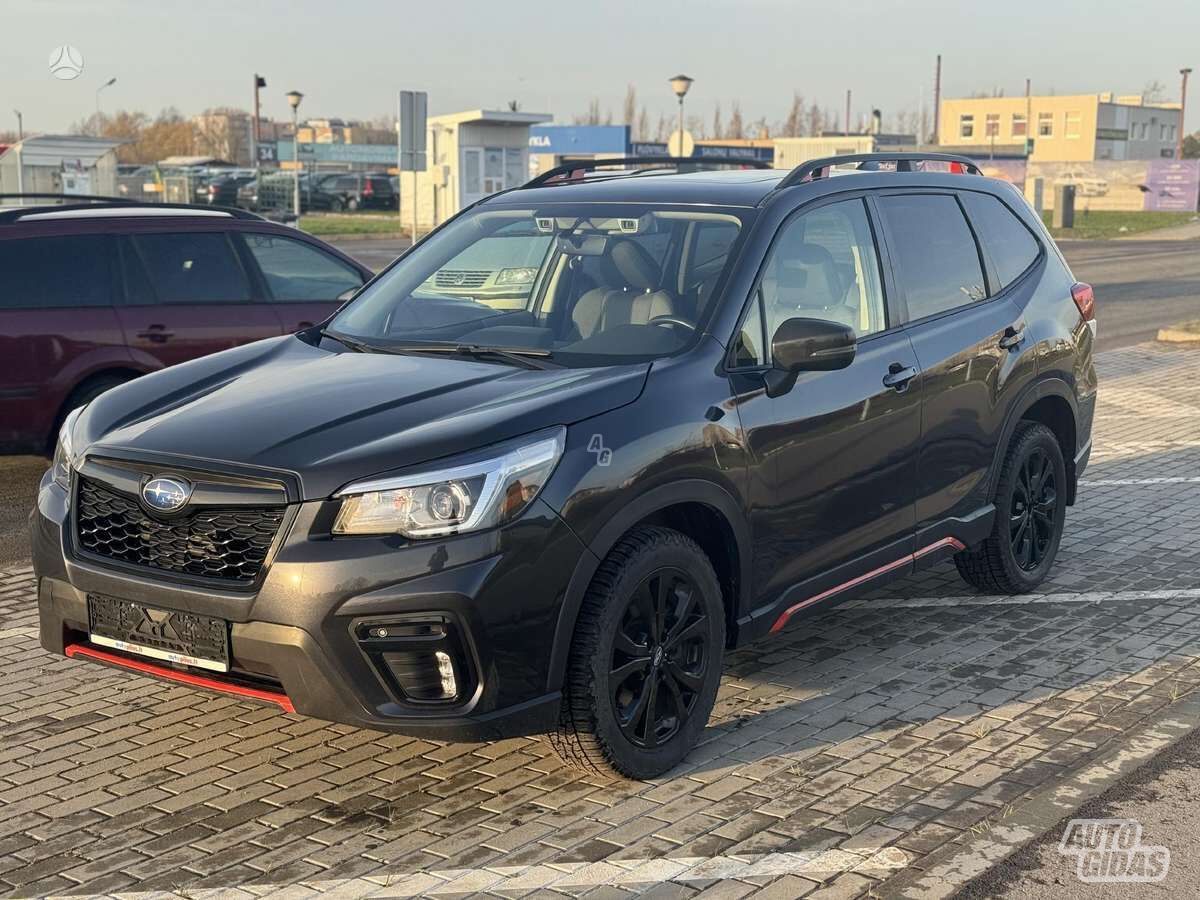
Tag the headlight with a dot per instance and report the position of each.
(64, 450)
(516, 276)
(482, 492)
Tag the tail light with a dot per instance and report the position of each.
(1085, 299)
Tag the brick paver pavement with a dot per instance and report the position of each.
(841, 753)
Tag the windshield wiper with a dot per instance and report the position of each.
(525, 357)
(356, 345)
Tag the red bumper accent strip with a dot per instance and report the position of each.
(953, 543)
(212, 684)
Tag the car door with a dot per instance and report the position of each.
(967, 334)
(302, 283)
(187, 294)
(57, 326)
(839, 449)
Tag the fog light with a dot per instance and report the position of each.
(446, 671)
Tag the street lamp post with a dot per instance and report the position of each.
(108, 83)
(20, 125)
(680, 85)
(1182, 111)
(293, 99)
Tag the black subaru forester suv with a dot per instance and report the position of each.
(709, 404)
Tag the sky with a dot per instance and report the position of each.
(349, 58)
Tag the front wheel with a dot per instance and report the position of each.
(645, 659)
(1031, 510)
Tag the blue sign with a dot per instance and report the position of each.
(578, 140)
(710, 151)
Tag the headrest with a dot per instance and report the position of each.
(636, 266)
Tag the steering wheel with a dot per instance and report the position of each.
(672, 320)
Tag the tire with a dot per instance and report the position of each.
(1019, 553)
(352, 204)
(612, 634)
(335, 205)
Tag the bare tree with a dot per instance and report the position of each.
(642, 131)
(630, 112)
(793, 126)
(718, 127)
(735, 129)
(663, 130)
(816, 121)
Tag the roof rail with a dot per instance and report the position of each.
(132, 207)
(567, 172)
(904, 163)
(74, 198)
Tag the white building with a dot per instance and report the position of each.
(471, 154)
(60, 164)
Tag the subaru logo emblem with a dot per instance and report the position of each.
(166, 494)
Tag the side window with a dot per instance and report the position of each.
(1011, 245)
(936, 258)
(55, 272)
(296, 271)
(824, 265)
(196, 267)
(749, 344)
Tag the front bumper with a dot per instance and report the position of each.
(298, 637)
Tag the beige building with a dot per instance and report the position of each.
(1079, 128)
(791, 152)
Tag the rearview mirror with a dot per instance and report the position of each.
(808, 345)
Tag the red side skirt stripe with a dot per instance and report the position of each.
(953, 543)
(212, 684)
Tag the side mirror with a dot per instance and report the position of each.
(808, 345)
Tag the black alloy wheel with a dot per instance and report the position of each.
(1032, 510)
(659, 658)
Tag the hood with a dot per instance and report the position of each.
(331, 417)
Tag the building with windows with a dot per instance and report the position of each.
(1078, 128)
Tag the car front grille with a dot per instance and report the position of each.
(229, 544)
(467, 278)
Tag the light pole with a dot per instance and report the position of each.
(20, 126)
(255, 128)
(1182, 112)
(294, 98)
(108, 83)
(680, 85)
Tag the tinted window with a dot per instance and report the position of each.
(823, 265)
(192, 268)
(750, 343)
(935, 254)
(39, 273)
(1010, 244)
(295, 270)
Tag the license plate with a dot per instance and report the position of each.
(177, 637)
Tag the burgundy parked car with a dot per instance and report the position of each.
(93, 296)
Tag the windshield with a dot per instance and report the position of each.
(585, 284)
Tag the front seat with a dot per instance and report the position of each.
(807, 285)
(642, 299)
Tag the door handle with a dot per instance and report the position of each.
(156, 333)
(1013, 337)
(899, 376)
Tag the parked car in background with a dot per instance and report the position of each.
(223, 189)
(94, 296)
(247, 195)
(353, 191)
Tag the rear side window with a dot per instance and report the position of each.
(55, 272)
(936, 258)
(1010, 244)
(197, 267)
(295, 270)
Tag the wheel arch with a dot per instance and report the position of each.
(700, 509)
(1050, 401)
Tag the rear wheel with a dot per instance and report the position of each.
(352, 204)
(645, 659)
(1030, 512)
(82, 396)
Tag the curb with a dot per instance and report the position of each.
(949, 870)
(1176, 335)
(361, 236)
